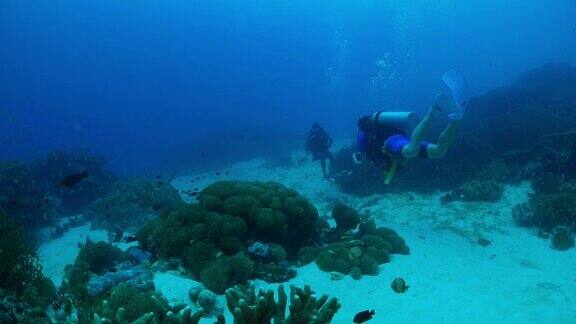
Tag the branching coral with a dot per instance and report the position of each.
(248, 306)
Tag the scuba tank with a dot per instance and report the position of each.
(396, 119)
(380, 125)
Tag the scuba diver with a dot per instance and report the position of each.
(383, 136)
(318, 142)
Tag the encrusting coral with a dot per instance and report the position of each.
(248, 306)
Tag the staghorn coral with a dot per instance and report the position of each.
(110, 315)
(132, 202)
(249, 306)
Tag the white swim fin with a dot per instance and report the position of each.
(458, 87)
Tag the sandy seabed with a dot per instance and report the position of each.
(518, 278)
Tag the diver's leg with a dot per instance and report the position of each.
(435, 151)
(331, 158)
(411, 149)
(323, 164)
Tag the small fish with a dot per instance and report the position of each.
(217, 173)
(130, 239)
(364, 316)
(196, 189)
(156, 207)
(197, 178)
(399, 286)
(73, 179)
(193, 194)
(204, 177)
(113, 269)
(159, 177)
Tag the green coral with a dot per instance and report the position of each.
(362, 251)
(226, 271)
(307, 255)
(276, 213)
(20, 271)
(99, 256)
(136, 303)
(231, 215)
(551, 210)
(346, 218)
(249, 306)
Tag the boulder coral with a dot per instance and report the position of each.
(212, 237)
(364, 251)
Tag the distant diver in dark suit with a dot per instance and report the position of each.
(383, 137)
(318, 144)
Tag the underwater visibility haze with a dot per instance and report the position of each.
(378, 161)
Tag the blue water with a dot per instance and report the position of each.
(139, 81)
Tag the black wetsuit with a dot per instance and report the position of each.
(318, 144)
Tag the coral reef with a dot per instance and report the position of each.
(562, 238)
(49, 172)
(346, 218)
(226, 271)
(206, 300)
(212, 238)
(22, 198)
(361, 253)
(277, 214)
(549, 211)
(249, 306)
(131, 203)
(20, 268)
(476, 191)
(137, 308)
